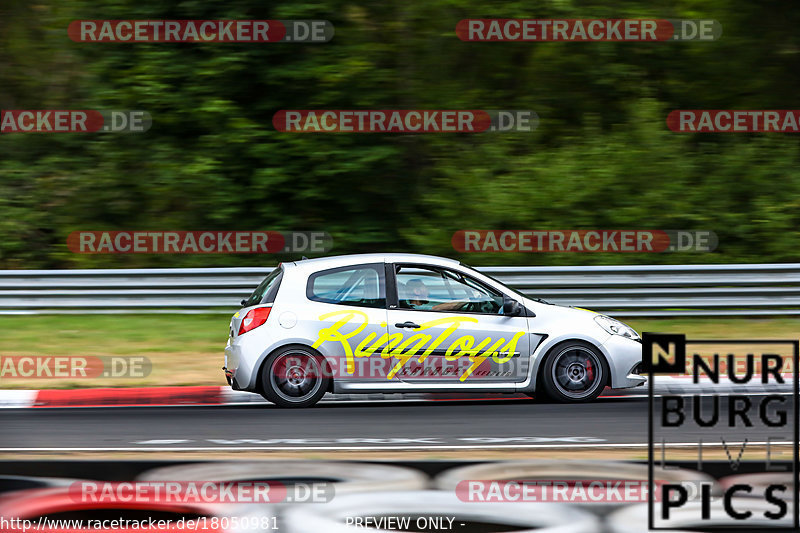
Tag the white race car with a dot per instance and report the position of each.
(414, 323)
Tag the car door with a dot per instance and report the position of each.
(447, 327)
(347, 306)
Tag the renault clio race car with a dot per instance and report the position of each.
(414, 323)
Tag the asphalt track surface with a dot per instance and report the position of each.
(381, 425)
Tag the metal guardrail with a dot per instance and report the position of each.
(651, 290)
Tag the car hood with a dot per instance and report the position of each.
(557, 308)
(573, 315)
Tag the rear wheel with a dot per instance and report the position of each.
(294, 377)
(574, 371)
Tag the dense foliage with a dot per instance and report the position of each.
(602, 156)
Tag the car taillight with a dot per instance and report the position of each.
(254, 318)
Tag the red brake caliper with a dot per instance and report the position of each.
(589, 370)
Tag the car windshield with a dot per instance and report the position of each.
(265, 292)
(512, 289)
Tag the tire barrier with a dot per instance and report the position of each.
(759, 483)
(60, 503)
(425, 510)
(687, 518)
(346, 477)
(14, 483)
(339, 478)
(575, 470)
(379, 490)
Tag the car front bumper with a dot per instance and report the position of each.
(624, 358)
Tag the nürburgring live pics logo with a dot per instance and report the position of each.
(751, 428)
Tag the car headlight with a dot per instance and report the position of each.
(615, 327)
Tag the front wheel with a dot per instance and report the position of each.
(574, 371)
(294, 377)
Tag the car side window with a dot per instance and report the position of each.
(433, 289)
(361, 286)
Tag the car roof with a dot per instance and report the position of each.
(356, 259)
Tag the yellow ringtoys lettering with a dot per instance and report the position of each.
(332, 333)
(403, 350)
(477, 360)
(456, 321)
(403, 357)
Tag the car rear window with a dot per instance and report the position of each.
(266, 290)
(361, 286)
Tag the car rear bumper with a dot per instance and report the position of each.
(242, 357)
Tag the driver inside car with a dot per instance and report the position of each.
(417, 298)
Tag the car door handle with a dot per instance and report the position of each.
(408, 324)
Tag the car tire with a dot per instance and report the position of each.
(294, 376)
(573, 372)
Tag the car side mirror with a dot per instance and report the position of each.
(511, 307)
